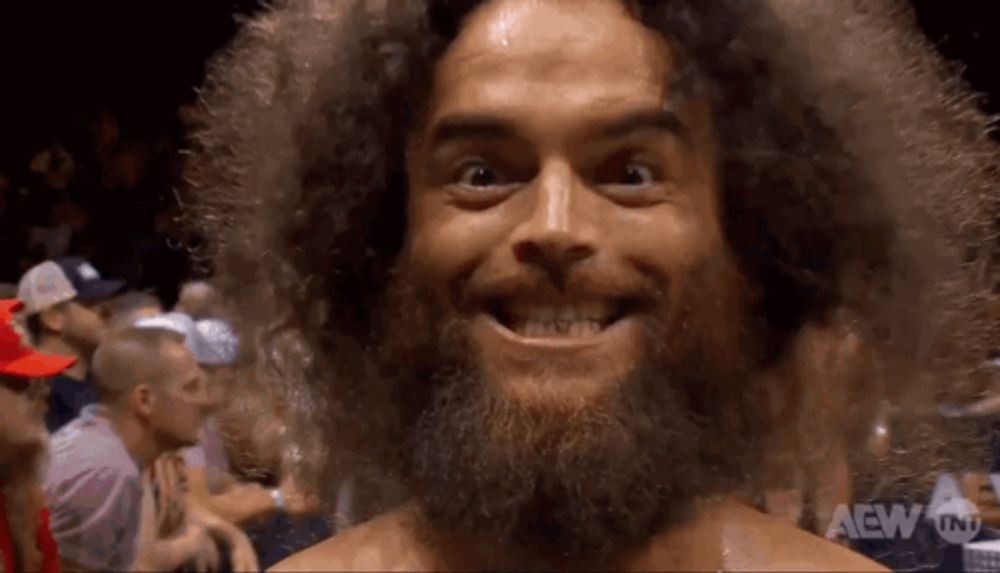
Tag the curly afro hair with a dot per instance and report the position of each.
(858, 187)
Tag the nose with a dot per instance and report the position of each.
(559, 232)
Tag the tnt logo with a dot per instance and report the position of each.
(957, 520)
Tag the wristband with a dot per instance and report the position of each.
(279, 499)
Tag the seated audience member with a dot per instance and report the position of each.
(211, 484)
(65, 307)
(210, 481)
(197, 299)
(153, 400)
(133, 305)
(26, 544)
(214, 346)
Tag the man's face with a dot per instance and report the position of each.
(182, 398)
(565, 253)
(85, 323)
(22, 409)
(559, 198)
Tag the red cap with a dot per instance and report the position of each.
(8, 307)
(16, 359)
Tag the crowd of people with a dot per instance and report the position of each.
(141, 471)
(101, 191)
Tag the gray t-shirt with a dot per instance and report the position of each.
(94, 492)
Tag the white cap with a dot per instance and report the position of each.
(221, 343)
(212, 341)
(44, 286)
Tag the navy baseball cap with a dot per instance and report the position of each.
(87, 281)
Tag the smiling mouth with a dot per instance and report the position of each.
(569, 319)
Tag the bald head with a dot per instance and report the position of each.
(197, 300)
(130, 356)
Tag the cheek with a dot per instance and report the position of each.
(444, 242)
(667, 240)
(11, 414)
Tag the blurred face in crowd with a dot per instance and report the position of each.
(22, 409)
(196, 299)
(563, 223)
(131, 167)
(79, 323)
(181, 400)
(105, 132)
(124, 312)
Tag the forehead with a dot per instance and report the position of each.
(574, 55)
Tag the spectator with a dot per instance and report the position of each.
(197, 300)
(105, 132)
(211, 484)
(209, 479)
(54, 165)
(128, 307)
(213, 345)
(153, 400)
(26, 544)
(64, 303)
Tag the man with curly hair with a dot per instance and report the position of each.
(542, 268)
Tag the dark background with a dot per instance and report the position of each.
(63, 62)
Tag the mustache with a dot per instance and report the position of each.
(484, 286)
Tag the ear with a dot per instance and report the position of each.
(142, 400)
(53, 319)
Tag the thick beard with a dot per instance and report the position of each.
(542, 485)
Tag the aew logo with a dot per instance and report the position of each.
(955, 518)
(874, 521)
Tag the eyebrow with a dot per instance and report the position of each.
(638, 122)
(644, 121)
(463, 126)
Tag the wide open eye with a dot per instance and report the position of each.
(634, 174)
(478, 174)
(623, 173)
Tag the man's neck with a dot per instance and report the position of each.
(138, 440)
(56, 345)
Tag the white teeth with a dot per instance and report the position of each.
(570, 313)
(567, 313)
(537, 328)
(579, 319)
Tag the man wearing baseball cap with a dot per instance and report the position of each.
(64, 303)
(26, 543)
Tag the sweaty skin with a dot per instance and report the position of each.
(552, 140)
(549, 144)
(725, 536)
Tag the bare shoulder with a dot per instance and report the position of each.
(385, 543)
(781, 546)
